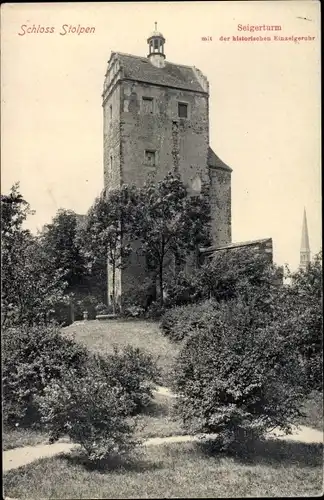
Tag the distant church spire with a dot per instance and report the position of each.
(304, 247)
(156, 43)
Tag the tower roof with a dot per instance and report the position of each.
(171, 75)
(156, 33)
(304, 247)
(215, 162)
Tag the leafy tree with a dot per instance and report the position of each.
(299, 310)
(169, 223)
(31, 285)
(106, 230)
(60, 243)
(14, 212)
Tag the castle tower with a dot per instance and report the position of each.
(304, 247)
(156, 120)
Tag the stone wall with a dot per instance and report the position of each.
(220, 205)
(112, 139)
(180, 144)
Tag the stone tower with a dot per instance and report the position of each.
(304, 247)
(156, 120)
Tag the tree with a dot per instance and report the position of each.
(30, 283)
(169, 223)
(106, 230)
(60, 243)
(300, 312)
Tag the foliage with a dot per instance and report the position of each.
(101, 308)
(32, 357)
(140, 295)
(300, 313)
(106, 228)
(133, 369)
(92, 411)
(60, 243)
(14, 212)
(181, 321)
(239, 272)
(31, 283)
(185, 288)
(168, 223)
(85, 303)
(238, 379)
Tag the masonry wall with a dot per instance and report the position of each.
(220, 205)
(181, 144)
(112, 139)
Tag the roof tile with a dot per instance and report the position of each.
(172, 75)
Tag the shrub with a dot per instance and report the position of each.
(95, 409)
(103, 309)
(133, 312)
(155, 311)
(85, 303)
(180, 322)
(184, 288)
(92, 411)
(237, 379)
(33, 356)
(140, 295)
(231, 273)
(132, 369)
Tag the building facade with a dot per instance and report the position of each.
(156, 120)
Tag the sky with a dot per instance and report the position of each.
(264, 104)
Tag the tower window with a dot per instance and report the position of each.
(111, 163)
(110, 111)
(150, 158)
(156, 45)
(182, 110)
(147, 105)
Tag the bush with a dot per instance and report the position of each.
(133, 312)
(231, 274)
(85, 303)
(184, 288)
(92, 411)
(95, 409)
(132, 369)
(180, 322)
(237, 379)
(140, 295)
(155, 311)
(33, 356)
(103, 309)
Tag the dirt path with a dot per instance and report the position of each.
(18, 457)
(12, 459)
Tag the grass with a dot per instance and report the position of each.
(275, 469)
(101, 336)
(157, 421)
(17, 438)
(313, 407)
